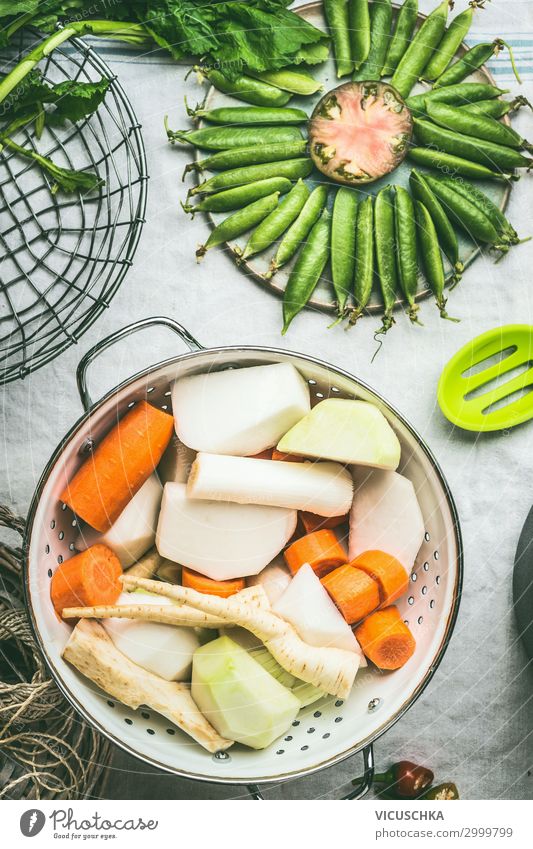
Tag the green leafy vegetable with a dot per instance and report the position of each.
(63, 178)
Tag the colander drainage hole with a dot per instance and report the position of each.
(145, 714)
(50, 573)
(128, 721)
(280, 752)
(432, 603)
(338, 719)
(437, 579)
(311, 382)
(436, 555)
(47, 549)
(221, 756)
(296, 723)
(426, 567)
(304, 748)
(427, 536)
(61, 535)
(60, 559)
(310, 730)
(414, 576)
(110, 703)
(411, 600)
(288, 738)
(339, 703)
(420, 620)
(53, 524)
(150, 731)
(317, 713)
(170, 731)
(326, 735)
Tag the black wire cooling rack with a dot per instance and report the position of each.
(63, 256)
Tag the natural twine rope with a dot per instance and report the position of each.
(46, 750)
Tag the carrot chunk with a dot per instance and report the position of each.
(321, 550)
(263, 455)
(287, 458)
(88, 579)
(121, 463)
(355, 594)
(385, 638)
(198, 582)
(312, 522)
(389, 574)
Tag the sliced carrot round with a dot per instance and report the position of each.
(354, 593)
(87, 579)
(321, 550)
(202, 584)
(385, 638)
(390, 575)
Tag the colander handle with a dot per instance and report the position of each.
(357, 793)
(123, 333)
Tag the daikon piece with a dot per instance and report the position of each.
(274, 578)
(347, 431)
(91, 651)
(307, 605)
(175, 464)
(323, 488)
(133, 533)
(239, 411)
(385, 516)
(162, 649)
(222, 540)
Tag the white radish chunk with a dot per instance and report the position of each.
(274, 578)
(222, 540)
(175, 464)
(347, 431)
(307, 605)
(133, 533)
(164, 650)
(385, 516)
(239, 411)
(323, 488)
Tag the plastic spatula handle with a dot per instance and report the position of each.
(523, 585)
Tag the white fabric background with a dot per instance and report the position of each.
(472, 724)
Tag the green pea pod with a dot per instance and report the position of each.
(343, 225)
(253, 155)
(430, 254)
(477, 126)
(237, 198)
(491, 108)
(336, 13)
(472, 60)
(487, 153)
(359, 22)
(224, 138)
(254, 115)
(449, 45)
(445, 232)
(380, 27)
(385, 242)
(293, 169)
(420, 50)
(239, 223)
(299, 231)
(309, 265)
(294, 81)
(467, 215)
(462, 93)
(450, 164)
(272, 227)
(403, 32)
(405, 231)
(364, 258)
(245, 88)
(480, 199)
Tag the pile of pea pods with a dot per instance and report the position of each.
(259, 157)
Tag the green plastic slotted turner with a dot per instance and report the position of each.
(461, 394)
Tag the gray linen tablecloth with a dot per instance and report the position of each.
(474, 721)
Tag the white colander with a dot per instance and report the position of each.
(324, 733)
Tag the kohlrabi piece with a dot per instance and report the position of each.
(239, 411)
(274, 578)
(165, 650)
(236, 694)
(307, 605)
(359, 132)
(221, 539)
(347, 431)
(385, 516)
(176, 462)
(133, 533)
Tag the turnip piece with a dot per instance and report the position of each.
(175, 464)
(133, 533)
(222, 540)
(346, 431)
(240, 699)
(323, 488)
(91, 651)
(330, 669)
(307, 605)
(385, 516)
(274, 579)
(162, 649)
(239, 411)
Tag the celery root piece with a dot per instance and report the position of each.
(92, 653)
(147, 565)
(327, 668)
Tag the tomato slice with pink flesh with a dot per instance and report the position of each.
(359, 132)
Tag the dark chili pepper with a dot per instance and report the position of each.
(405, 779)
(442, 792)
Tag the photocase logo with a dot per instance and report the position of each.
(32, 822)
